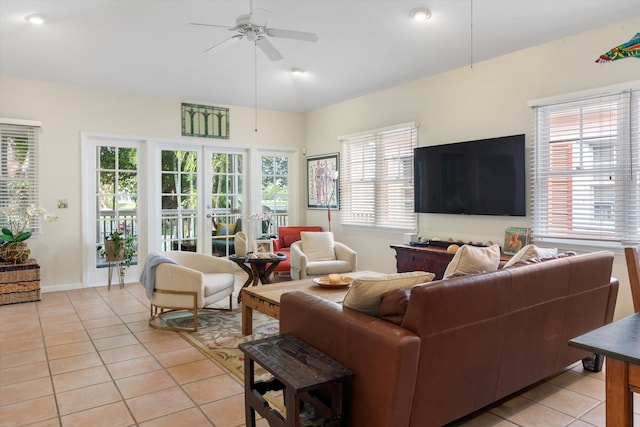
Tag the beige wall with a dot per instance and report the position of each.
(486, 100)
(65, 111)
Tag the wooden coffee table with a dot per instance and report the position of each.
(266, 298)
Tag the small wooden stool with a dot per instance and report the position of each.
(300, 371)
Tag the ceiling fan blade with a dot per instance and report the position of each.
(268, 49)
(223, 44)
(295, 35)
(211, 25)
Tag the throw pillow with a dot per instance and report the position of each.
(366, 293)
(531, 252)
(474, 259)
(318, 245)
(223, 229)
(393, 305)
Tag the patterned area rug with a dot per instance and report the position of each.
(220, 332)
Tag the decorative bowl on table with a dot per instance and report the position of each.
(332, 281)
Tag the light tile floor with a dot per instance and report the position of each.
(88, 358)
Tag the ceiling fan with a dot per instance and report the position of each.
(253, 27)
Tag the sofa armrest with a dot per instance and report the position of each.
(383, 356)
(298, 261)
(345, 253)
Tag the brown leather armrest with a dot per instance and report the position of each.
(383, 356)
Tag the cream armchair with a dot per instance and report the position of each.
(316, 254)
(186, 281)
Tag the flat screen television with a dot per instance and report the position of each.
(483, 177)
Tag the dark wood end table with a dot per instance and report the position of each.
(259, 269)
(299, 370)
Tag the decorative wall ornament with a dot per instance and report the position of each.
(205, 121)
(625, 50)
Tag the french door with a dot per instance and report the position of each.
(177, 195)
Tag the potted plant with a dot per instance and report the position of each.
(119, 248)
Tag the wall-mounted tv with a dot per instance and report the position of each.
(483, 177)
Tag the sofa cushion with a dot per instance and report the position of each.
(473, 259)
(223, 229)
(318, 245)
(531, 252)
(366, 293)
(393, 305)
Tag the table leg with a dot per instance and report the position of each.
(247, 319)
(248, 281)
(619, 405)
(266, 275)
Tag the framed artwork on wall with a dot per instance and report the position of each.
(323, 189)
(205, 121)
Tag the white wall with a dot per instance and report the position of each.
(66, 110)
(486, 100)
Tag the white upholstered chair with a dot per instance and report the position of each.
(317, 254)
(187, 281)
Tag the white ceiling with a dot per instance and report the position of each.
(146, 46)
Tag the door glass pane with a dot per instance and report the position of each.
(275, 193)
(179, 200)
(226, 201)
(116, 196)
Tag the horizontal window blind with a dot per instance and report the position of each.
(19, 174)
(586, 169)
(376, 178)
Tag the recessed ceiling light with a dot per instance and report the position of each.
(297, 71)
(421, 14)
(35, 19)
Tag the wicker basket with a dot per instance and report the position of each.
(19, 282)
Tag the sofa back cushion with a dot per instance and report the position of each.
(288, 234)
(318, 245)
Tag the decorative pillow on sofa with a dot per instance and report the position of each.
(318, 245)
(531, 252)
(393, 305)
(474, 259)
(223, 229)
(366, 293)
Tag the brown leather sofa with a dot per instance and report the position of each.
(463, 343)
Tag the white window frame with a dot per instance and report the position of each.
(29, 129)
(613, 178)
(379, 162)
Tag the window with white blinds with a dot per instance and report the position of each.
(586, 170)
(19, 163)
(376, 178)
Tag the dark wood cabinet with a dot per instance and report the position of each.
(422, 258)
(426, 258)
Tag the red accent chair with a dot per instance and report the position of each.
(286, 236)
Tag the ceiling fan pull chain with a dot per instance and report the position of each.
(255, 80)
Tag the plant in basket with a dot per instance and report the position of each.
(119, 247)
(18, 217)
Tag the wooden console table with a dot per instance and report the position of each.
(433, 259)
(19, 282)
(300, 371)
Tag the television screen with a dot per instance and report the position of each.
(483, 177)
